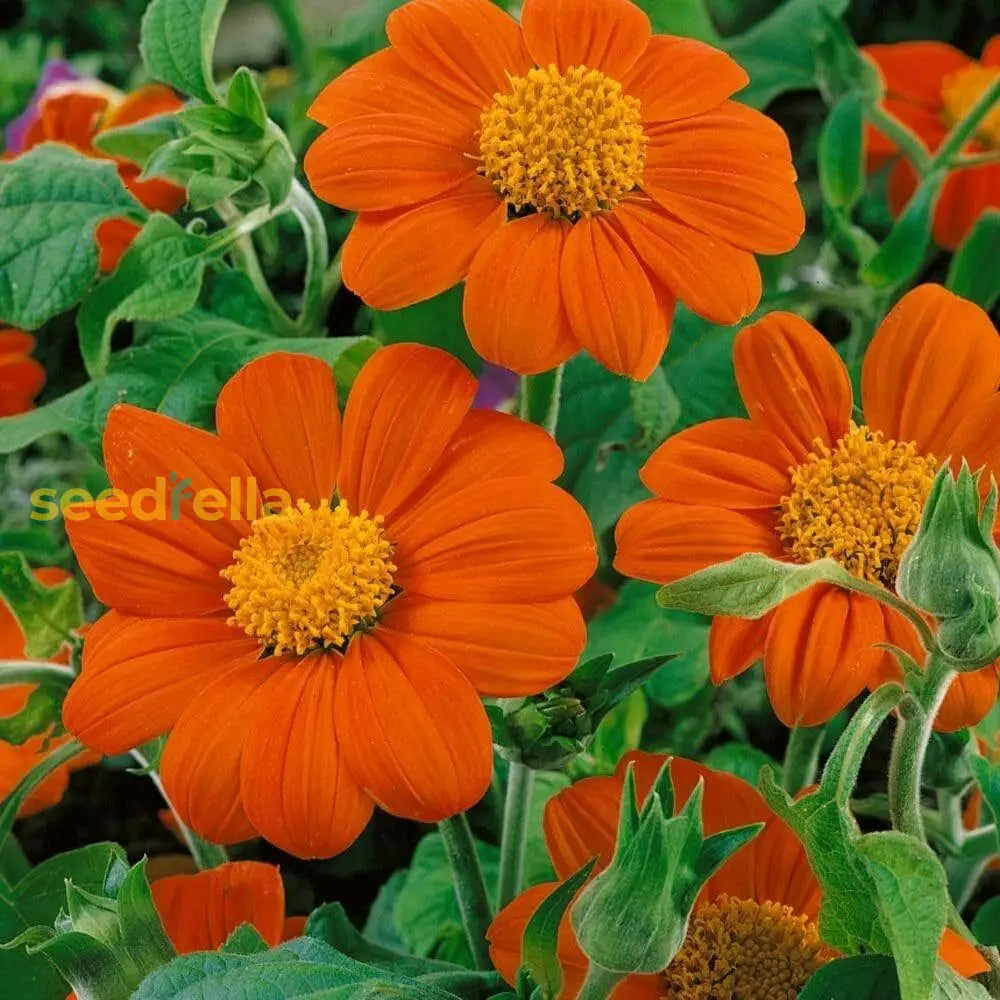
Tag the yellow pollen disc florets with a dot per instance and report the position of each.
(961, 90)
(570, 144)
(307, 577)
(738, 949)
(859, 503)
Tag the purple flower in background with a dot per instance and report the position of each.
(55, 71)
(496, 387)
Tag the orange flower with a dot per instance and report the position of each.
(75, 114)
(17, 761)
(579, 172)
(765, 893)
(930, 86)
(21, 377)
(317, 661)
(800, 480)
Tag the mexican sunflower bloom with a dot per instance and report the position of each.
(75, 113)
(17, 761)
(329, 656)
(929, 87)
(752, 934)
(579, 173)
(21, 376)
(806, 477)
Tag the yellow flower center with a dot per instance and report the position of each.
(962, 89)
(307, 578)
(567, 144)
(737, 949)
(859, 503)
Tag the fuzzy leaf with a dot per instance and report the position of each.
(46, 615)
(178, 41)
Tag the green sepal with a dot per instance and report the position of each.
(47, 616)
(841, 153)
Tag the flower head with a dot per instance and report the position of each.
(752, 934)
(930, 86)
(54, 72)
(804, 479)
(21, 376)
(580, 174)
(75, 112)
(318, 657)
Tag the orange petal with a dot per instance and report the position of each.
(201, 761)
(146, 102)
(508, 540)
(154, 193)
(15, 342)
(793, 380)
(820, 653)
(505, 650)
(295, 785)
(969, 700)
(12, 638)
(114, 237)
(661, 542)
(386, 260)
(927, 125)
(71, 114)
(279, 414)
(608, 35)
(918, 375)
(404, 408)
(412, 729)
(680, 77)
(735, 645)
(17, 761)
(967, 194)
(513, 306)
(612, 307)
(711, 277)
(581, 823)
(465, 48)
(200, 911)
(140, 674)
(380, 161)
(729, 801)
(21, 379)
(961, 955)
(915, 71)
(899, 632)
(991, 52)
(732, 463)
(728, 173)
(975, 438)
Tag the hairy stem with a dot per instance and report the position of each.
(470, 886)
(599, 984)
(801, 758)
(516, 810)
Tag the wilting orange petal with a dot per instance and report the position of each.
(200, 911)
(727, 173)
(661, 541)
(918, 375)
(280, 415)
(385, 262)
(295, 785)
(201, 761)
(140, 674)
(505, 650)
(793, 380)
(513, 306)
(403, 409)
(21, 379)
(735, 645)
(513, 539)
(608, 35)
(612, 308)
(820, 653)
(732, 463)
(711, 277)
(411, 728)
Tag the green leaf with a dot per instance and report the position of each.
(911, 893)
(158, 278)
(902, 253)
(46, 615)
(841, 153)
(36, 900)
(656, 406)
(41, 712)
(620, 731)
(243, 98)
(178, 42)
(973, 273)
(986, 923)
(51, 201)
(245, 940)
(138, 141)
(987, 775)
(741, 759)
(142, 931)
(178, 371)
(540, 944)
(861, 977)
(949, 985)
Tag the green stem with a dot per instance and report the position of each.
(287, 12)
(599, 984)
(977, 159)
(540, 398)
(905, 140)
(470, 886)
(33, 672)
(314, 301)
(889, 599)
(513, 841)
(964, 128)
(913, 733)
(801, 758)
